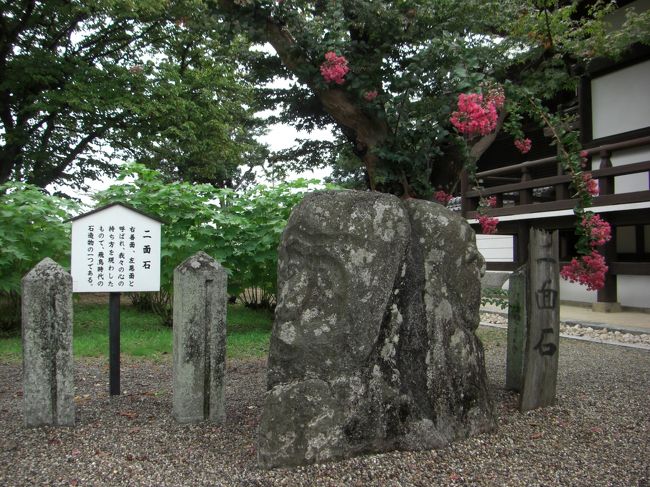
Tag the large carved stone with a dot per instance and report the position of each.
(373, 347)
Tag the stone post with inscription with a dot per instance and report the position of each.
(543, 302)
(199, 340)
(48, 387)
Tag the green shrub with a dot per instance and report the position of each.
(241, 229)
(32, 226)
(495, 296)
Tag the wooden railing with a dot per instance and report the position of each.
(513, 186)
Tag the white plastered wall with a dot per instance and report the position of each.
(633, 291)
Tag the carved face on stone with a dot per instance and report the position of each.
(337, 275)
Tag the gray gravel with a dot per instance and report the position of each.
(598, 434)
(584, 331)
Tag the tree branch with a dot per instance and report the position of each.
(484, 143)
(57, 170)
(369, 132)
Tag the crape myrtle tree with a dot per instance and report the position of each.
(83, 83)
(388, 74)
(418, 89)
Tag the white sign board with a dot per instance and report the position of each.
(115, 249)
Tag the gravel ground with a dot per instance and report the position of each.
(600, 333)
(598, 434)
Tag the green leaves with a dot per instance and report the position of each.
(152, 81)
(32, 226)
(418, 55)
(240, 229)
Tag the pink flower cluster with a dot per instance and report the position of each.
(488, 224)
(370, 95)
(524, 145)
(599, 230)
(588, 270)
(475, 115)
(590, 184)
(334, 68)
(442, 197)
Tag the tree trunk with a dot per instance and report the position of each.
(368, 132)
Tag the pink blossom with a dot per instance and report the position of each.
(524, 145)
(370, 95)
(475, 116)
(491, 201)
(588, 270)
(590, 184)
(334, 68)
(584, 154)
(599, 230)
(488, 224)
(442, 197)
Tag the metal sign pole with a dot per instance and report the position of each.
(114, 343)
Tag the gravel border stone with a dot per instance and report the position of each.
(586, 331)
(598, 434)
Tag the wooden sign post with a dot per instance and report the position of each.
(517, 328)
(543, 311)
(115, 249)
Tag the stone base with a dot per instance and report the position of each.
(606, 307)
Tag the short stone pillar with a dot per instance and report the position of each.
(199, 339)
(47, 346)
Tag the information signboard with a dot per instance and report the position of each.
(115, 249)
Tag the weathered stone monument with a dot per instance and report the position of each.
(199, 340)
(373, 346)
(48, 387)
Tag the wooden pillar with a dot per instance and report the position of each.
(608, 295)
(543, 310)
(562, 189)
(499, 200)
(525, 195)
(520, 246)
(517, 328)
(466, 204)
(605, 184)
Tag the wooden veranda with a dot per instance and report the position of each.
(536, 193)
